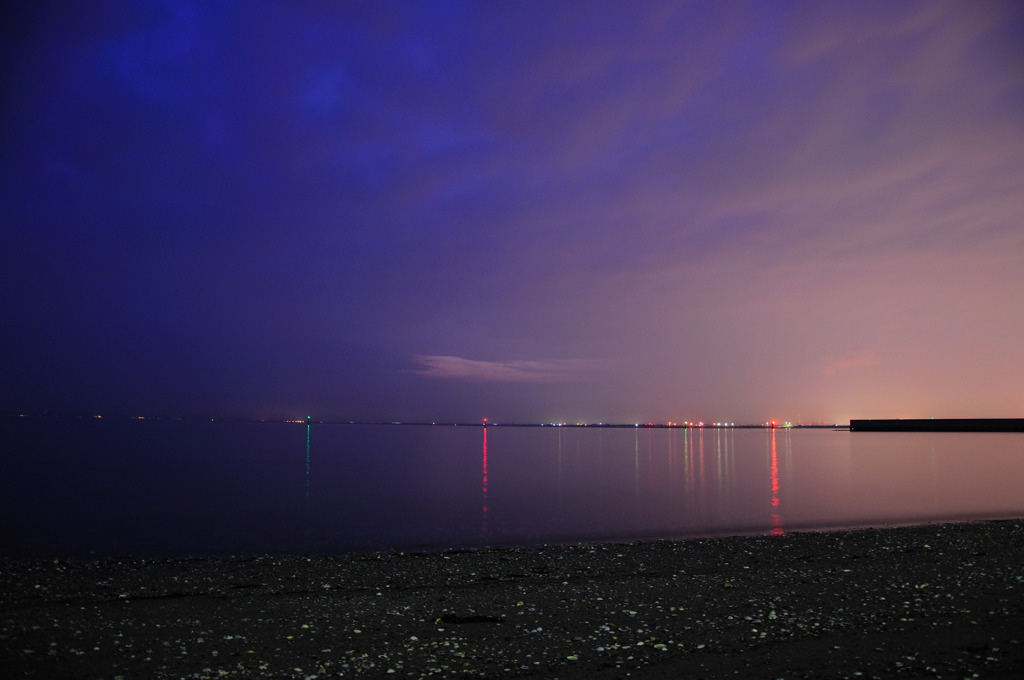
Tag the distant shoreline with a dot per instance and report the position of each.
(854, 425)
(439, 423)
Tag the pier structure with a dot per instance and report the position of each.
(938, 425)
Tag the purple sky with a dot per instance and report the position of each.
(529, 211)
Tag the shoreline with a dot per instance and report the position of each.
(943, 600)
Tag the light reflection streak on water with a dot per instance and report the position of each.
(650, 455)
(935, 480)
(636, 469)
(730, 469)
(776, 518)
(483, 520)
(688, 469)
(561, 453)
(702, 487)
(672, 456)
(718, 466)
(579, 447)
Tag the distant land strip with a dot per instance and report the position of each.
(939, 425)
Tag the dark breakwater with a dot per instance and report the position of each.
(939, 425)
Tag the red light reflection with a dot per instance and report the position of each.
(776, 519)
(483, 520)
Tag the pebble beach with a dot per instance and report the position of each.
(939, 600)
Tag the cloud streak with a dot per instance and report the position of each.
(444, 367)
(843, 362)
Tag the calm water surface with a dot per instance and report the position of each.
(92, 487)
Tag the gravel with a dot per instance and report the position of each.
(944, 601)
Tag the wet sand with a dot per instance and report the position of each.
(931, 601)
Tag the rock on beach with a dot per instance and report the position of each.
(942, 601)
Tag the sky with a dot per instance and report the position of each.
(525, 211)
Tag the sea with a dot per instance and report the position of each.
(94, 488)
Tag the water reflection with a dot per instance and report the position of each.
(688, 469)
(561, 454)
(719, 477)
(387, 487)
(308, 512)
(774, 466)
(724, 470)
(483, 511)
(698, 478)
(702, 488)
(636, 470)
(692, 480)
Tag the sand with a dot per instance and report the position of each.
(941, 601)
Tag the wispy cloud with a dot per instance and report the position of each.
(457, 368)
(854, 359)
